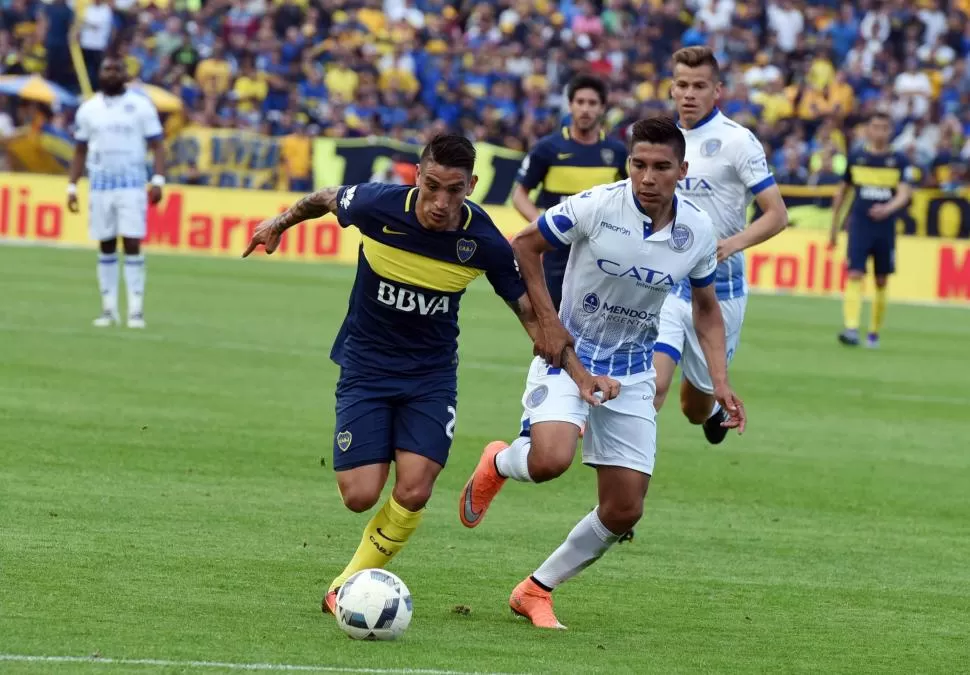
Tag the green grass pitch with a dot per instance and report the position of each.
(163, 494)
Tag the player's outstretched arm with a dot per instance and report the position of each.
(709, 325)
(314, 205)
(528, 246)
(773, 219)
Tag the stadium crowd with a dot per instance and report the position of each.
(801, 73)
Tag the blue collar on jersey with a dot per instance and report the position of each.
(648, 230)
(704, 120)
(636, 202)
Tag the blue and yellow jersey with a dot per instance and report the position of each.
(565, 167)
(403, 313)
(876, 177)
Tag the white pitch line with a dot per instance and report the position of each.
(273, 667)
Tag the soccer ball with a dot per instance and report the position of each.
(374, 605)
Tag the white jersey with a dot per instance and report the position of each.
(117, 130)
(726, 168)
(620, 271)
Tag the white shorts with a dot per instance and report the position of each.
(621, 432)
(118, 213)
(678, 339)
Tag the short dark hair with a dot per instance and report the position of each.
(587, 82)
(695, 57)
(451, 150)
(881, 115)
(661, 130)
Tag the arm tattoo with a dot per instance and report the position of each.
(314, 205)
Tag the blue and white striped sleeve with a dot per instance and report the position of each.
(570, 220)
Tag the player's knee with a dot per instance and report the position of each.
(694, 413)
(881, 281)
(413, 495)
(621, 515)
(132, 246)
(108, 246)
(546, 464)
(359, 498)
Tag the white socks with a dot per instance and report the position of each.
(135, 283)
(108, 281)
(588, 541)
(513, 462)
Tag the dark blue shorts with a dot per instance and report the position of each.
(881, 246)
(377, 415)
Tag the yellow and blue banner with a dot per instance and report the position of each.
(224, 158)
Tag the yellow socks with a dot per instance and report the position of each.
(852, 304)
(386, 534)
(879, 301)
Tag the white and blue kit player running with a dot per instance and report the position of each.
(115, 129)
(632, 242)
(726, 169)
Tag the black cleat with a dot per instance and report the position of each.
(713, 431)
(849, 337)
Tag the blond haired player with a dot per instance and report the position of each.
(726, 168)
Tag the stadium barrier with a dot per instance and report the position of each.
(215, 222)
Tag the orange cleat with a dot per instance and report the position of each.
(482, 487)
(329, 604)
(535, 604)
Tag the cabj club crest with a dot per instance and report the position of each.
(466, 249)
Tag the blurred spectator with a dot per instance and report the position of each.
(825, 174)
(56, 21)
(297, 152)
(94, 34)
(791, 171)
